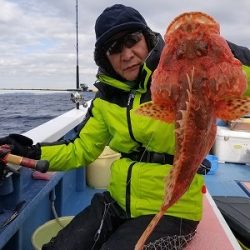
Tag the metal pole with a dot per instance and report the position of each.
(77, 60)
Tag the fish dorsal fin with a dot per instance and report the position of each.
(157, 111)
(232, 108)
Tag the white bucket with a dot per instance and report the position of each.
(98, 172)
(45, 232)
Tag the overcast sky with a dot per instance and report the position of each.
(37, 41)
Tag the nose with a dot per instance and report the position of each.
(127, 53)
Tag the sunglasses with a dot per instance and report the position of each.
(127, 41)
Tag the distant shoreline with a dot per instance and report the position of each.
(25, 89)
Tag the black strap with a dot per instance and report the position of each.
(147, 156)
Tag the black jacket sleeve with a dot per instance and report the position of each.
(240, 52)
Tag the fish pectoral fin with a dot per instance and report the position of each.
(156, 111)
(232, 108)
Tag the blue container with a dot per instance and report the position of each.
(214, 164)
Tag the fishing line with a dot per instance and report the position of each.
(98, 232)
(143, 153)
(146, 146)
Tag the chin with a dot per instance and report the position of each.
(131, 77)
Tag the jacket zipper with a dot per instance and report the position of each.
(129, 107)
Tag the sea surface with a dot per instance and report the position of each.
(24, 110)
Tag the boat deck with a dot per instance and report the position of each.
(225, 182)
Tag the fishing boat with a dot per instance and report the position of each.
(34, 199)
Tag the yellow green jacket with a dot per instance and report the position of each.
(138, 187)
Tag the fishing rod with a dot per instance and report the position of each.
(76, 97)
(39, 165)
(77, 51)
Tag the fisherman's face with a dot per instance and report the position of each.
(127, 54)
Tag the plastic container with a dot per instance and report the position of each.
(214, 164)
(232, 146)
(45, 232)
(98, 172)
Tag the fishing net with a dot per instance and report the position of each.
(174, 242)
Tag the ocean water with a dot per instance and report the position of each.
(24, 110)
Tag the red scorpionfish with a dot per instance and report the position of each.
(197, 80)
